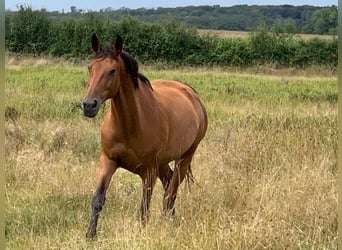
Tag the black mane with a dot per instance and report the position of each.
(131, 65)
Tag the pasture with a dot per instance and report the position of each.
(265, 174)
(245, 34)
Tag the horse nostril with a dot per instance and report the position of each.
(94, 104)
(90, 104)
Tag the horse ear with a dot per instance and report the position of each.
(95, 44)
(118, 45)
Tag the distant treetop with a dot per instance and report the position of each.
(303, 19)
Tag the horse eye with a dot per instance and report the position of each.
(112, 72)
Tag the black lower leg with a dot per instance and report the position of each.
(144, 210)
(97, 204)
(165, 176)
(145, 204)
(171, 192)
(166, 182)
(169, 205)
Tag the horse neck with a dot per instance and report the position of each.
(124, 108)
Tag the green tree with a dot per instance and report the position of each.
(8, 32)
(29, 31)
(285, 26)
(323, 21)
(73, 9)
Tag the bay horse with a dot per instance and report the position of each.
(148, 125)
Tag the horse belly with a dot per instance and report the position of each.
(182, 118)
(182, 135)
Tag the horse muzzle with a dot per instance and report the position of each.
(90, 106)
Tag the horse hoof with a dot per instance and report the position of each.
(90, 234)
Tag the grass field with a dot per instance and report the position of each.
(265, 174)
(232, 33)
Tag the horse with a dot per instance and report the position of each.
(148, 125)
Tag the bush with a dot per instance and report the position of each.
(32, 32)
(28, 32)
(315, 52)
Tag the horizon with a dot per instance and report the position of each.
(86, 5)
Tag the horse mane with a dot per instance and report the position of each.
(131, 65)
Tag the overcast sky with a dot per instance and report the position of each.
(59, 5)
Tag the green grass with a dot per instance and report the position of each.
(265, 172)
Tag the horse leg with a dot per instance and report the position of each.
(179, 173)
(106, 171)
(148, 180)
(165, 175)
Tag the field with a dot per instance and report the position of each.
(265, 174)
(232, 33)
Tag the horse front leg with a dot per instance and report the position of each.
(106, 171)
(149, 180)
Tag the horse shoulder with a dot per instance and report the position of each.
(128, 151)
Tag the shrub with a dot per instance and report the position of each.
(315, 52)
(30, 31)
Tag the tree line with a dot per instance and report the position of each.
(31, 31)
(304, 19)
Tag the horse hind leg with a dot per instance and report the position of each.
(182, 169)
(148, 180)
(165, 174)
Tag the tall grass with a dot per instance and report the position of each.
(265, 172)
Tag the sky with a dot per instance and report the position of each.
(59, 5)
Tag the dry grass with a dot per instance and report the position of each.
(243, 34)
(265, 173)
